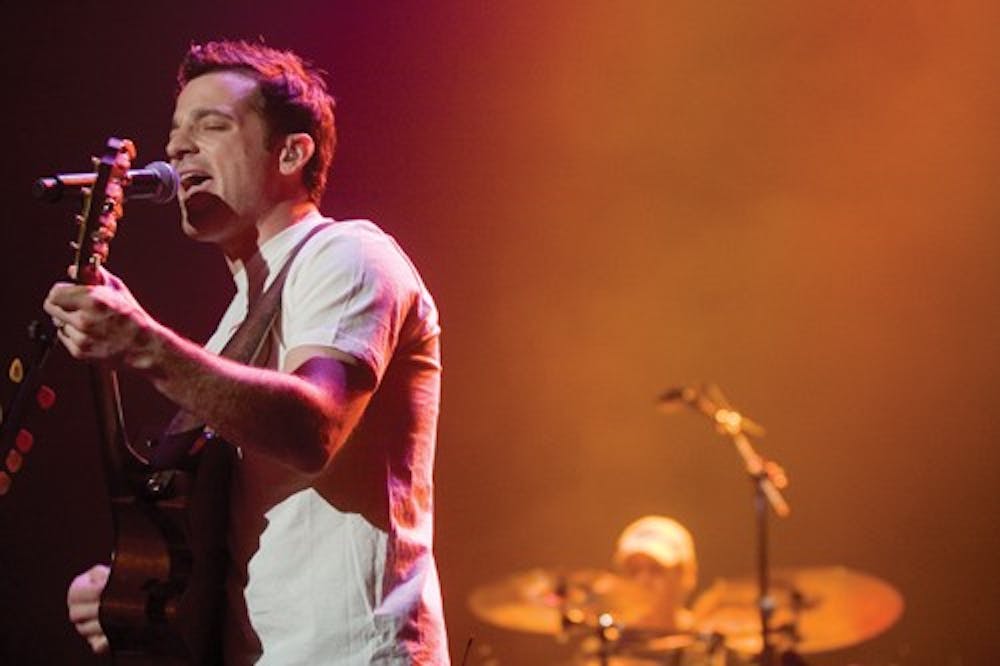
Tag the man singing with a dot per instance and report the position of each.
(331, 503)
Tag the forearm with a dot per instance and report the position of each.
(299, 416)
(277, 414)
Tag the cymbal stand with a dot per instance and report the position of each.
(767, 476)
(571, 617)
(608, 633)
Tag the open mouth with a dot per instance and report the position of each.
(193, 182)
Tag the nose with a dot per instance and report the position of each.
(179, 144)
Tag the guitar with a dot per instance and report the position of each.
(164, 600)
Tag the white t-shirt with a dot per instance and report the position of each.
(338, 569)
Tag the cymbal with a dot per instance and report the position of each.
(539, 600)
(828, 607)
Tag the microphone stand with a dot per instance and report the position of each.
(765, 476)
(768, 479)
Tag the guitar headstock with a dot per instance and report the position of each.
(102, 208)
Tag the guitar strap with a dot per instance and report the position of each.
(173, 447)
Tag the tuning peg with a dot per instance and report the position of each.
(128, 147)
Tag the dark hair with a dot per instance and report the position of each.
(294, 94)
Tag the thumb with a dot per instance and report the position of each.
(110, 279)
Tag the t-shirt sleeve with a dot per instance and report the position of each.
(349, 292)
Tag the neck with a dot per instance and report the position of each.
(284, 214)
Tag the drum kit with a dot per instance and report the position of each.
(816, 609)
(772, 618)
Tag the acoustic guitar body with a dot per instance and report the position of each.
(164, 601)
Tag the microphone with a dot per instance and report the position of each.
(673, 398)
(156, 182)
(710, 402)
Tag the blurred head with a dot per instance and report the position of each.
(658, 552)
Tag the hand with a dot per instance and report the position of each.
(82, 599)
(101, 323)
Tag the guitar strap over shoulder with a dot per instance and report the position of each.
(244, 346)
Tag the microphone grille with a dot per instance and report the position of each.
(168, 184)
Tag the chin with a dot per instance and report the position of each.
(193, 232)
(205, 218)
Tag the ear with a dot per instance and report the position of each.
(296, 151)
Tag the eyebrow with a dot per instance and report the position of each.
(199, 114)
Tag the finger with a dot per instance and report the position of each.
(98, 644)
(79, 588)
(62, 318)
(58, 323)
(89, 629)
(66, 296)
(69, 335)
(87, 586)
(98, 574)
(58, 314)
(83, 613)
(83, 590)
(78, 344)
